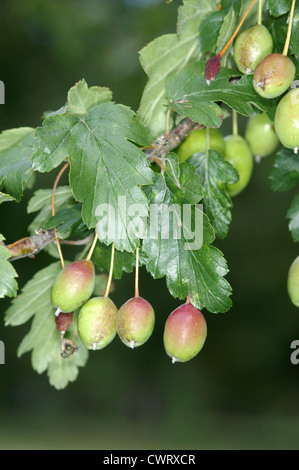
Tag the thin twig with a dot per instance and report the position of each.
(53, 211)
(30, 246)
(163, 145)
(83, 241)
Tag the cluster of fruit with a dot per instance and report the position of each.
(99, 320)
(185, 331)
(260, 140)
(273, 74)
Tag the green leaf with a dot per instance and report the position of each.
(67, 221)
(294, 43)
(41, 203)
(106, 167)
(236, 4)
(209, 30)
(168, 54)
(191, 97)
(227, 29)
(214, 174)
(185, 187)
(34, 297)
(286, 170)
(63, 371)
(5, 198)
(8, 284)
(278, 30)
(81, 98)
(123, 261)
(293, 215)
(15, 164)
(198, 273)
(43, 339)
(278, 7)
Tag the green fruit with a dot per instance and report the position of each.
(185, 333)
(251, 47)
(238, 154)
(135, 322)
(196, 142)
(293, 282)
(73, 286)
(287, 119)
(273, 75)
(261, 136)
(97, 322)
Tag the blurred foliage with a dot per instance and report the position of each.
(242, 381)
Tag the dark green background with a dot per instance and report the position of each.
(241, 391)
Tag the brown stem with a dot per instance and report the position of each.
(30, 246)
(163, 145)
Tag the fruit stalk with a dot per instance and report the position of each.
(208, 143)
(213, 64)
(110, 272)
(259, 18)
(88, 257)
(53, 211)
(137, 273)
(235, 122)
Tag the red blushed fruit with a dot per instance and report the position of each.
(73, 286)
(64, 321)
(135, 322)
(185, 333)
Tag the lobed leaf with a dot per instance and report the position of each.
(8, 283)
(294, 43)
(226, 31)
(43, 339)
(214, 174)
(198, 272)
(82, 98)
(123, 261)
(15, 165)
(5, 198)
(286, 170)
(278, 7)
(105, 165)
(169, 54)
(191, 97)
